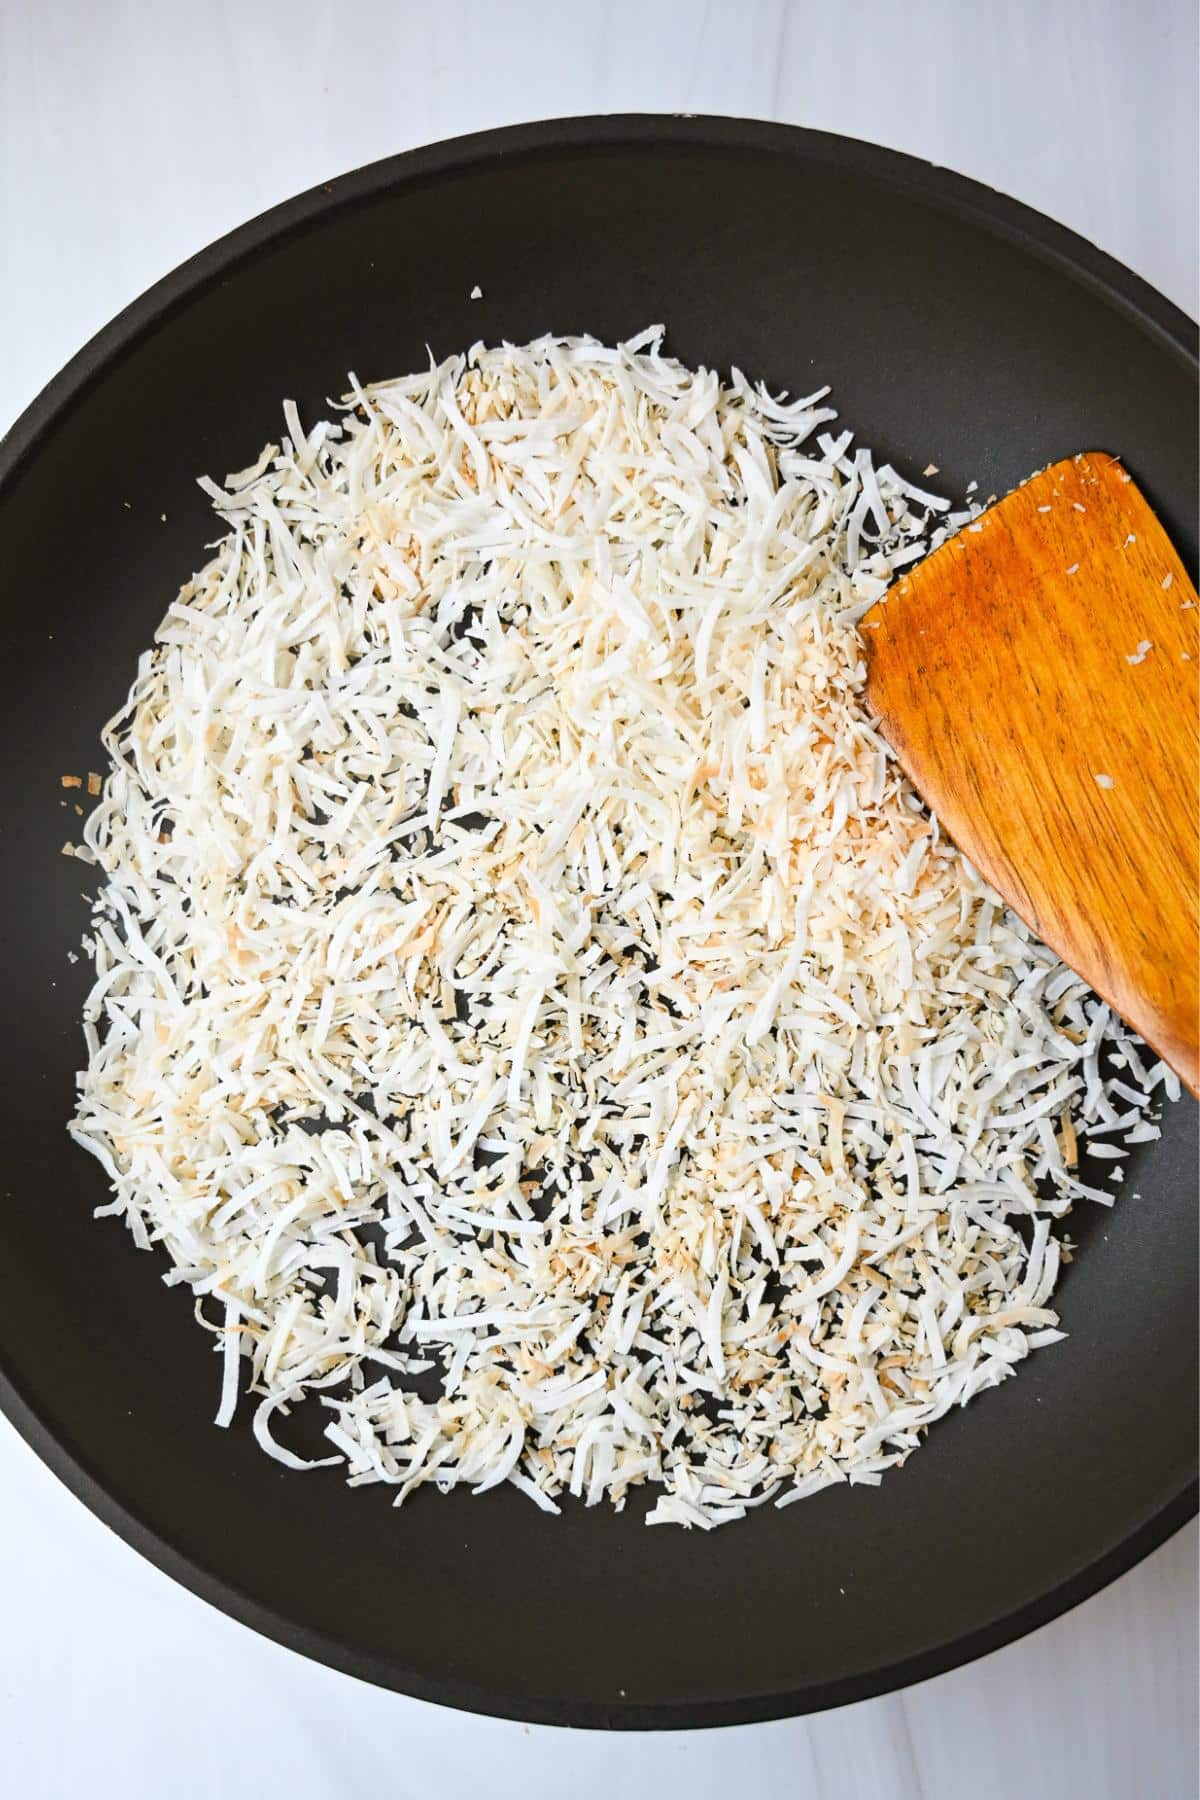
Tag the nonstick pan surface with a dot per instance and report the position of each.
(956, 327)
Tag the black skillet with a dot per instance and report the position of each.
(955, 326)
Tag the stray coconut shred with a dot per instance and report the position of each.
(533, 1012)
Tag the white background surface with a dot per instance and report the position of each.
(131, 135)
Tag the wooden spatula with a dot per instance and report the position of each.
(1037, 679)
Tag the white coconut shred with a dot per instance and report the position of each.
(532, 1011)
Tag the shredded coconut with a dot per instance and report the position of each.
(532, 1010)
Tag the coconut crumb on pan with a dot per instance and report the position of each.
(532, 1012)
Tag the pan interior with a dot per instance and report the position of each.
(953, 330)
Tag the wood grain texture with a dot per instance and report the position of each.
(1037, 679)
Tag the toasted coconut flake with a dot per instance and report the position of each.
(520, 964)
